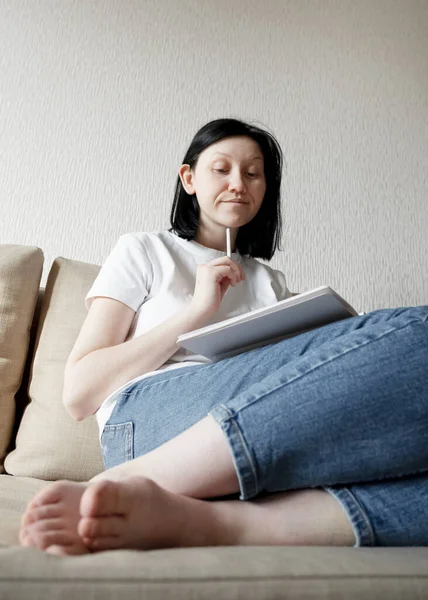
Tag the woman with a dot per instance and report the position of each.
(324, 435)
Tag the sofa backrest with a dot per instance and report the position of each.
(49, 444)
(20, 273)
(21, 397)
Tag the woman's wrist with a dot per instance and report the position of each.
(196, 316)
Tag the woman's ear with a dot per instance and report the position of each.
(186, 176)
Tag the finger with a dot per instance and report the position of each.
(226, 260)
(222, 260)
(226, 271)
(224, 286)
(236, 275)
(236, 268)
(239, 270)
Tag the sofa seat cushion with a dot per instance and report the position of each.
(235, 572)
(250, 573)
(15, 493)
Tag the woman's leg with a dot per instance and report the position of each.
(348, 403)
(353, 410)
(411, 381)
(195, 463)
(392, 512)
(137, 513)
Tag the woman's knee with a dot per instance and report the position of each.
(407, 313)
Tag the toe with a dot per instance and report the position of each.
(104, 543)
(44, 539)
(26, 519)
(40, 513)
(25, 539)
(44, 533)
(45, 525)
(26, 534)
(48, 495)
(57, 550)
(106, 497)
(91, 527)
(28, 516)
(100, 498)
(72, 550)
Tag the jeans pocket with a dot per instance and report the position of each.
(117, 444)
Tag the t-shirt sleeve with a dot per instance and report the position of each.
(125, 274)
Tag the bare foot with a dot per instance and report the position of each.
(76, 518)
(51, 518)
(138, 513)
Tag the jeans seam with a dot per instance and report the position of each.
(356, 514)
(236, 436)
(127, 427)
(398, 476)
(129, 438)
(324, 362)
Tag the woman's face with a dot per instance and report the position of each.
(228, 180)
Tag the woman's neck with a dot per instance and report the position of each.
(216, 239)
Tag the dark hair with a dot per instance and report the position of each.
(259, 238)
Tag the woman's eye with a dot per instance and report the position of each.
(225, 171)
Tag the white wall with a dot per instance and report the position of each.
(100, 99)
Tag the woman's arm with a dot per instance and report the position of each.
(101, 361)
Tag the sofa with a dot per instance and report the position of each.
(40, 443)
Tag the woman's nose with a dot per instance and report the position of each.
(237, 184)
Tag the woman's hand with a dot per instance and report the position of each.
(212, 281)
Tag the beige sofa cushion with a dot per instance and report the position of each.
(15, 494)
(218, 573)
(50, 445)
(21, 269)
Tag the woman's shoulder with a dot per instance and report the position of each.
(257, 264)
(267, 273)
(155, 247)
(144, 238)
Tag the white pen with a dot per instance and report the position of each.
(229, 253)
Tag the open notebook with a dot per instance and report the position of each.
(262, 326)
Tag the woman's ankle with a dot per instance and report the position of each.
(297, 518)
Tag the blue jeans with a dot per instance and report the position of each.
(343, 407)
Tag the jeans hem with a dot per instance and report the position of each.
(244, 467)
(357, 516)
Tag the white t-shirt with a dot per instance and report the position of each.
(155, 274)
